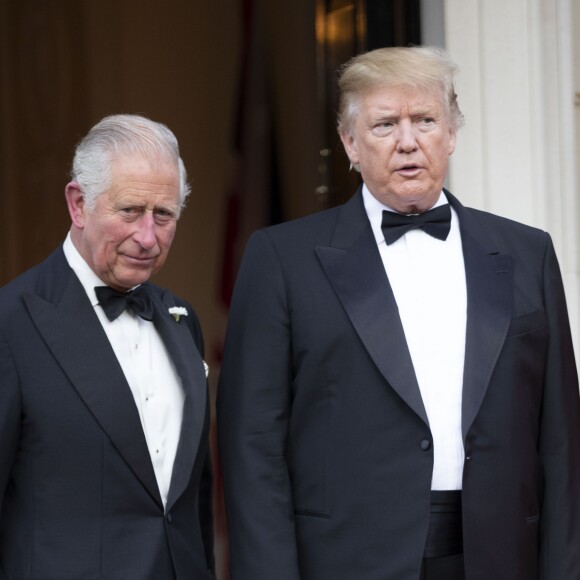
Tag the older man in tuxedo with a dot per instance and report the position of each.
(104, 469)
(399, 397)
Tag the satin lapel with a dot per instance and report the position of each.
(78, 342)
(489, 278)
(355, 270)
(189, 364)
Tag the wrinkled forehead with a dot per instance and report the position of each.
(138, 176)
(385, 95)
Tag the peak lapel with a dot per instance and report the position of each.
(189, 364)
(355, 270)
(489, 278)
(73, 333)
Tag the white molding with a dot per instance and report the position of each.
(518, 154)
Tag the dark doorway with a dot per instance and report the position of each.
(345, 28)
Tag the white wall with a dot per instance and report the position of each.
(517, 156)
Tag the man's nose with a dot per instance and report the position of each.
(145, 233)
(406, 138)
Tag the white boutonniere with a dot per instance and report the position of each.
(177, 312)
(206, 367)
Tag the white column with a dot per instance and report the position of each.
(518, 153)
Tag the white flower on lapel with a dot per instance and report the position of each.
(177, 312)
(206, 367)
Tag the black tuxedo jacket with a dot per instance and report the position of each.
(78, 494)
(325, 443)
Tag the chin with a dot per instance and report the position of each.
(419, 199)
(132, 281)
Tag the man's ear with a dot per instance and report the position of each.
(75, 202)
(350, 146)
(452, 141)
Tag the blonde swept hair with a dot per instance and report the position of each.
(417, 66)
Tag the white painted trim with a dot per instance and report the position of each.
(518, 154)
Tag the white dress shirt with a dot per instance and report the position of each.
(149, 370)
(427, 276)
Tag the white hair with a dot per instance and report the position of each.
(118, 136)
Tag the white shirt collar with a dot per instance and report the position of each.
(83, 271)
(374, 209)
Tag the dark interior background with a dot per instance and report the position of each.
(248, 87)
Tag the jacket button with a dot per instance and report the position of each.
(425, 444)
(169, 518)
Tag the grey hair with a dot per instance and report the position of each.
(418, 66)
(118, 136)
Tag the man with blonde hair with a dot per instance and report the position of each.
(399, 397)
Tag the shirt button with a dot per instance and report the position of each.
(425, 444)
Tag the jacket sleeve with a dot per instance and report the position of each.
(254, 404)
(10, 411)
(559, 438)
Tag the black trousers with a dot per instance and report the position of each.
(443, 557)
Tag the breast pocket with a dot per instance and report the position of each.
(527, 323)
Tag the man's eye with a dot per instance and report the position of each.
(383, 128)
(164, 216)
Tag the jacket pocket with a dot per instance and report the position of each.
(527, 323)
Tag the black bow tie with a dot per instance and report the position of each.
(436, 222)
(114, 302)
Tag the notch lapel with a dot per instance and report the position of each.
(73, 333)
(353, 265)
